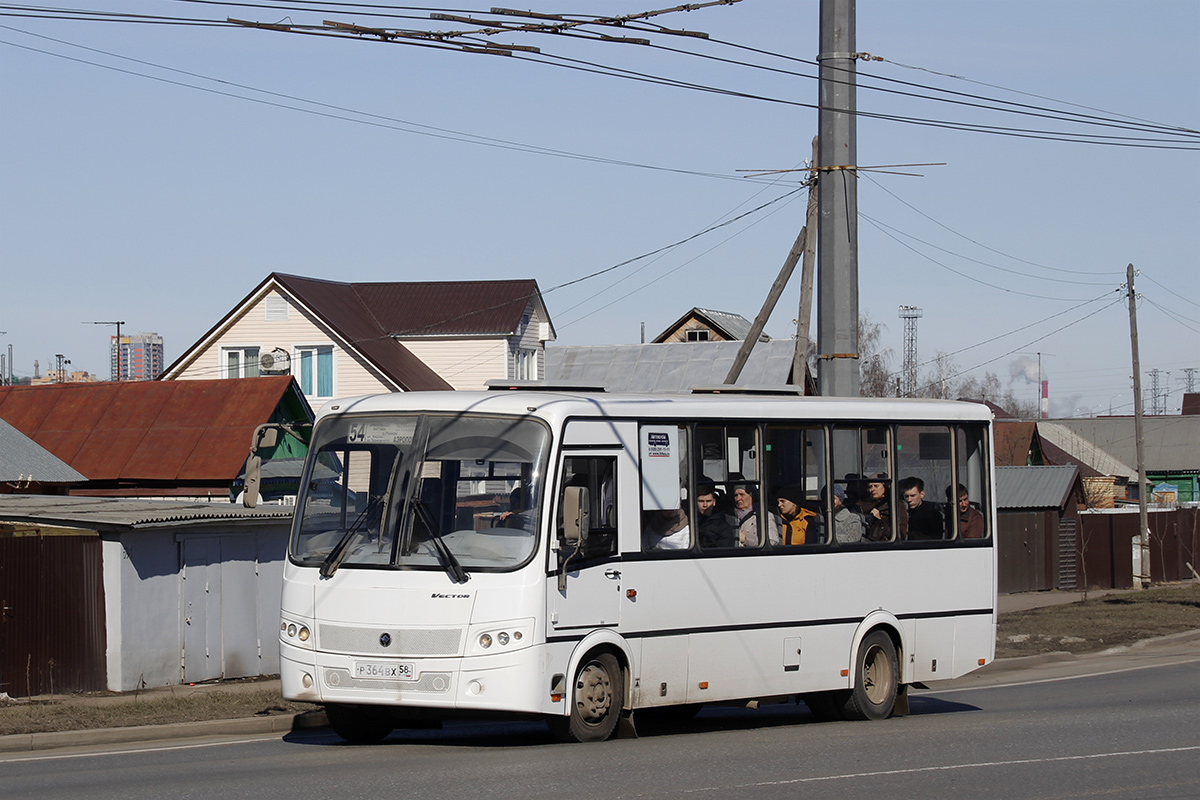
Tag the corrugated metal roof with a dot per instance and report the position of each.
(112, 513)
(667, 368)
(735, 325)
(1034, 487)
(147, 430)
(22, 459)
(1086, 450)
(1171, 443)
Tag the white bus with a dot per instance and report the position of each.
(580, 556)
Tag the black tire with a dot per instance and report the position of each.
(360, 724)
(596, 698)
(826, 706)
(876, 679)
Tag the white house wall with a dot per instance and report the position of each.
(465, 364)
(352, 376)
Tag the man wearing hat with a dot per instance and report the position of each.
(795, 517)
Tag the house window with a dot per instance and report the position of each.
(525, 365)
(697, 335)
(239, 362)
(315, 370)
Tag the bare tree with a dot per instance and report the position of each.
(875, 376)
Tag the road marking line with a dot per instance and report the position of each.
(945, 768)
(1052, 680)
(163, 749)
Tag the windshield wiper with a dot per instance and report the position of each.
(340, 550)
(453, 566)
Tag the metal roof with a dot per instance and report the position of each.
(1085, 450)
(174, 431)
(1034, 487)
(112, 513)
(726, 323)
(22, 459)
(1171, 443)
(668, 368)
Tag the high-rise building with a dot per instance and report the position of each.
(137, 358)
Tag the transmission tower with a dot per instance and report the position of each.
(910, 315)
(1158, 394)
(1189, 380)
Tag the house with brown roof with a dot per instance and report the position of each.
(157, 438)
(342, 339)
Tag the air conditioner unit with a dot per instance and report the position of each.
(276, 362)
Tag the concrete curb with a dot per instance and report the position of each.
(282, 723)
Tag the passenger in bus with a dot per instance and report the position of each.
(876, 509)
(714, 528)
(847, 524)
(666, 529)
(970, 521)
(924, 519)
(795, 517)
(745, 519)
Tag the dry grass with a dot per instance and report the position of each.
(1100, 622)
(76, 714)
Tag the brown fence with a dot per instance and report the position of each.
(1105, 547)
(52, 630)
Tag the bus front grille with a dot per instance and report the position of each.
(398, 642)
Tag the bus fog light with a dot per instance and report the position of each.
(303, 634)
(485, 641)
(474, 687)
(306, 680)
(502, 638)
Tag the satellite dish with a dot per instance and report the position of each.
(276, 362)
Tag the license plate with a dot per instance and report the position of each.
(401, 671)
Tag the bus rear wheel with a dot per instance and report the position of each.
(359, 724)
(596, 698)
(876, 679)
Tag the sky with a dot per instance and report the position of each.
(157, 173)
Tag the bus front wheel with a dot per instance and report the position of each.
(359, 724)
(876, 679)
(596, 698)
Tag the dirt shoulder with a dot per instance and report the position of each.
(1100, 622)
(1075, 627)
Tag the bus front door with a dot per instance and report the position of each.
(588, 595)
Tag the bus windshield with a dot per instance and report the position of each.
(441, 492)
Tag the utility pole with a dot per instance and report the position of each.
(117, 376)
(1189, 380)
(756, 328)
(807, 265)
(1141, 578)
(837, 226)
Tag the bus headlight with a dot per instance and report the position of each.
(501, 636)
(485, 641)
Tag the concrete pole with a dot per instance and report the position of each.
(1141, 577)
(837, 225)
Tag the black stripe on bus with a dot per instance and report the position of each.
(816, 623)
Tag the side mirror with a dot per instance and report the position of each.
(576, 514)
(253, 481)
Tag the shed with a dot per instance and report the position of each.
(1037, 517)
(119, 593)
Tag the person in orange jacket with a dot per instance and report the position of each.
(795, 517)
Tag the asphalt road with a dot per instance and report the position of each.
(1124, 726)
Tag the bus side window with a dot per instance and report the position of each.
(795, 470)
(968, 501)
(923, 468)
(598, 475)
